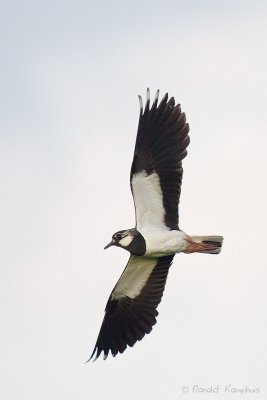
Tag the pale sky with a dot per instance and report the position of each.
(70, 76)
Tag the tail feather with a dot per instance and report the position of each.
(204, 244)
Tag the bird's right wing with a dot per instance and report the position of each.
(131, 309)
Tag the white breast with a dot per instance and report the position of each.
(160, 243)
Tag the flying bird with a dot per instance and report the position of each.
(155, 178)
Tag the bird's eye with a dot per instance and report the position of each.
(118, 236)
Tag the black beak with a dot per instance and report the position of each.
(108, 245)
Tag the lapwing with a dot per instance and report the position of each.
(156, 177)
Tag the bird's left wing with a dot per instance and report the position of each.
(156, 173)
(131, 309)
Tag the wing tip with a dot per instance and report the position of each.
(92, 355)
(147, 95)
(164, 100)
(148, 98)
(155, 102)
(98, 352)
(141, 104)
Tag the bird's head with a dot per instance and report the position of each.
(130, 240)
(122, 239)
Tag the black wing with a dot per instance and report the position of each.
(161, 143)
(131, 309)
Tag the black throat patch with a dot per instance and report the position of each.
(138, 245)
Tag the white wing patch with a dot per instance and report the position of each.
(148, 200)
(134, 277)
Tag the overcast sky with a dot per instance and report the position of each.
(70, 76)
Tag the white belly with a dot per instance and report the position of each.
(160, 243)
